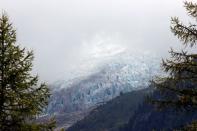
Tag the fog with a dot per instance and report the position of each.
(62, 32)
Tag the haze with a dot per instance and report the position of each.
(64, 32)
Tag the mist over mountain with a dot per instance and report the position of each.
(101, 80)
(98, 65)
(123, 72)
(58, 29)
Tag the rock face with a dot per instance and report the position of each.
(111, 77)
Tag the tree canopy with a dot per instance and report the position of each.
(179, 89)
(21, 98)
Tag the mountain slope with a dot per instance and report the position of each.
(148, 118)
(130, 112)
(106, 79)
(112, 115)
(122, 73)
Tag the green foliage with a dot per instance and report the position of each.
(179, 88)
(21, 99)
(190, 127)
(62, 129)
(40, 127)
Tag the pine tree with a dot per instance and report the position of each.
(179, 88)
(21, 99)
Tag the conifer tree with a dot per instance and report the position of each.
(179, 88)
(21, 98)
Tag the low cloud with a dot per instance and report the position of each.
(62, 32)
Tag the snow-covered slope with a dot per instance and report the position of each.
(97, 81)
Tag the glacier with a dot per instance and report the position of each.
(98, 80)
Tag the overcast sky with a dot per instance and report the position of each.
(62, 32)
